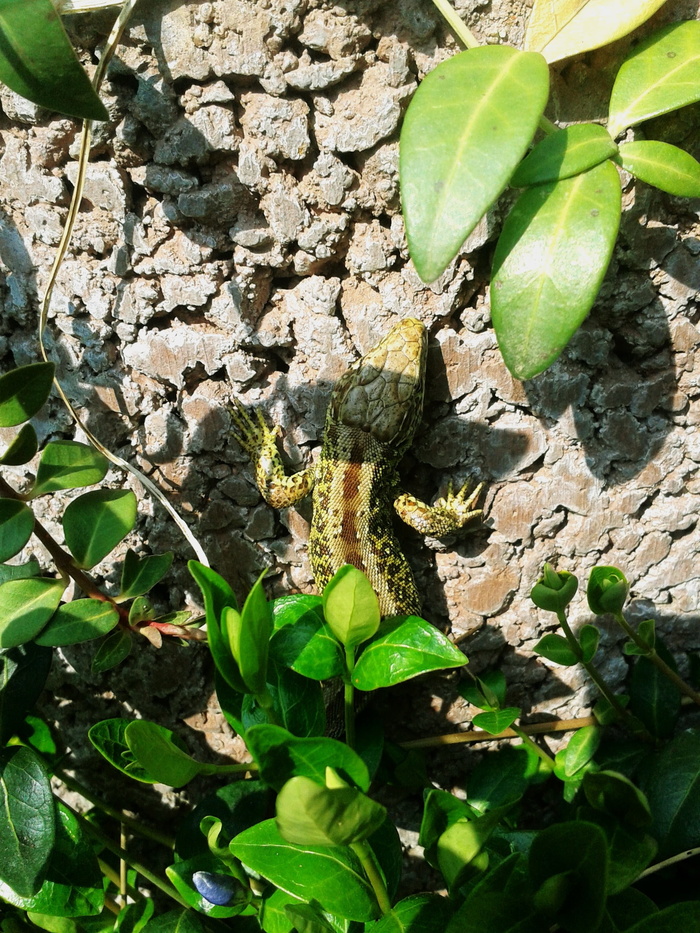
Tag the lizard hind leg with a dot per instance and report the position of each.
(260, 442)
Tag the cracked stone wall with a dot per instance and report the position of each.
(241, 236)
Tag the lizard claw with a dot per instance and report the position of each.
(460, 506)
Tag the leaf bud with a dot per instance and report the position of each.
(554, 590)
(607, 590)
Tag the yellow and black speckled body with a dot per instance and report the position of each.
(372, 417)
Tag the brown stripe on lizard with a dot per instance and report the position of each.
(373, 414)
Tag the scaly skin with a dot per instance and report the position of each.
(372, 417)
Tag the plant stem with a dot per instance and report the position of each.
(651, 653)
(134, 825)
(598, 680)
(137, 866)
(547, 126)
(689, 853)
(364, 852)
(547, 759)
(456, 24)
(349, 697)
(267, 704)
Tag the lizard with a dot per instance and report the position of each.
(372, 417)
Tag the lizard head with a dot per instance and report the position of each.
(382, 393)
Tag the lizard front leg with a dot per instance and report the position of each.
(442, 518)
(260, 441)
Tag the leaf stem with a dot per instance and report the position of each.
(364, 852)
(137, 866)
(688, 853)
(651, 653)
(456, 24)
(134, 825)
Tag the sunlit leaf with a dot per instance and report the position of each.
(567, 152)
(560, 28)
(24, 390)
(662, 74)
(549, 263)
(96, 522)
(663, 165)
(461, 140)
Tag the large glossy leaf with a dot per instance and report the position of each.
(308, 813)
(304, 641)
(73, 883)
(549, 263)
(25, 608)
(96, 522)
(331, 875)
(68, 465)
(38, 61)
(404, 647)
(27, 821)
(16, 526)
(109, 738)
(662, 74)
(175, 921)
(559, 28)
(466, 128)
(420, 913)
(154, 748)
(79, 620)
(661, 164)
(23, 673)
(351, 607)
(24, 390)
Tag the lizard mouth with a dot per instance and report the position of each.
(382, 393)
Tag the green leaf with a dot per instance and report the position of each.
(68, 465)
(23, 673)
(663, 165)
(461, 141)
(653, 697)
(582, 746)
(73, 883)
(175, 921)
(569, 151)
(502, 777)
(307, 919)
(109, 738)
(576, 853)
(487, 691)
(281, 756)
(554, 590)
(27, 821)
(672, 787)
(330, 875)
(646, 630)
(113, 650)
(304, 642)
(310, 814)
(351, 607)
(22, 448)
(662, 74)
(155, 751)
(629, 907)
(550, 260)
(140, 574)
(440, 811)
(681, 916)
(218, 596)
(134, 917)
(588, 638)
(16, 526)
(573, 26)
(463, 842)
(24, 390)
(556, 648)
(419, 913)
(404, 647)
(25, 608)
(248, 635)
(96, 522)
(616, 795)
(79, 620)
(297, 703)
(19, 571)
(37, 61)
(497, 721)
